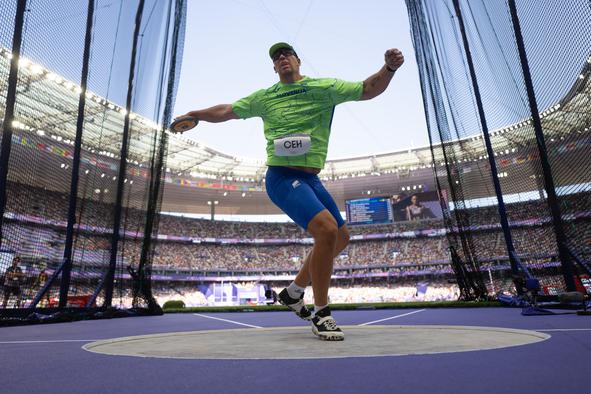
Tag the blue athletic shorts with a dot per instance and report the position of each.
(300, 195)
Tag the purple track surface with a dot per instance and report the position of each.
(559, 365)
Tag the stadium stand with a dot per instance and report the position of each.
(228, 245)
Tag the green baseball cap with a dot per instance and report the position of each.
(278, 46)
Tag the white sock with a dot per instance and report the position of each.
(319, 307)
(295, 291)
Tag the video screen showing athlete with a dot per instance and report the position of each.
(297, 114)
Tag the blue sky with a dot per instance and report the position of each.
(225, 58)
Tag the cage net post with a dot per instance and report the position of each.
(40, 163)
(444, 128)
(561, 86)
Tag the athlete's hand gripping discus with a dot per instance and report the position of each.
(183, 123)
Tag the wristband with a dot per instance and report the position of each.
(390, 69)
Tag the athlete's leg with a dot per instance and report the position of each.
(303, 278)
(290, 191)
(324, 229)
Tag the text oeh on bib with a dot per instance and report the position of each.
(292, 145)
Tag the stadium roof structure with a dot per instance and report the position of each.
(48, 106)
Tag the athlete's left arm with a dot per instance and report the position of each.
(378, 82)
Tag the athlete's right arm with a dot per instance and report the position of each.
(216, 114)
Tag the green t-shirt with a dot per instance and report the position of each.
(303, 107)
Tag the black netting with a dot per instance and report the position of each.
(85, 259)
(557, 50)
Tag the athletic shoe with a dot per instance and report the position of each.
(325, 327)
(295, 304)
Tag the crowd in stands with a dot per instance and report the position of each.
(377, 292)
(530, 210)
(43, 241)
(48, 244)
(531, 241)
(92, 211)
(398, 292)
(40, 242)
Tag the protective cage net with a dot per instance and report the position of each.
(77, 229)
(557, 43)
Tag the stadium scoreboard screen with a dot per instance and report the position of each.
(373, 210)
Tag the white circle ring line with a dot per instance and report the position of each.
(532, 336)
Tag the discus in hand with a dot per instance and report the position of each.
(184, 123)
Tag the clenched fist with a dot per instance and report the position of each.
(393, 58)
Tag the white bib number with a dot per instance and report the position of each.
(292, 145)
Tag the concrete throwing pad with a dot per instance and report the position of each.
(300, 343)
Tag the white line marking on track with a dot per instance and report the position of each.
(393, 317)
(50, 341)
(564, 329)
(227, 321)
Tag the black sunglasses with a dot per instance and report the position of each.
(284, 51)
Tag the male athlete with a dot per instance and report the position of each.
(297, 114)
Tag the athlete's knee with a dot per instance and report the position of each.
(323, 227)
(327, 231)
